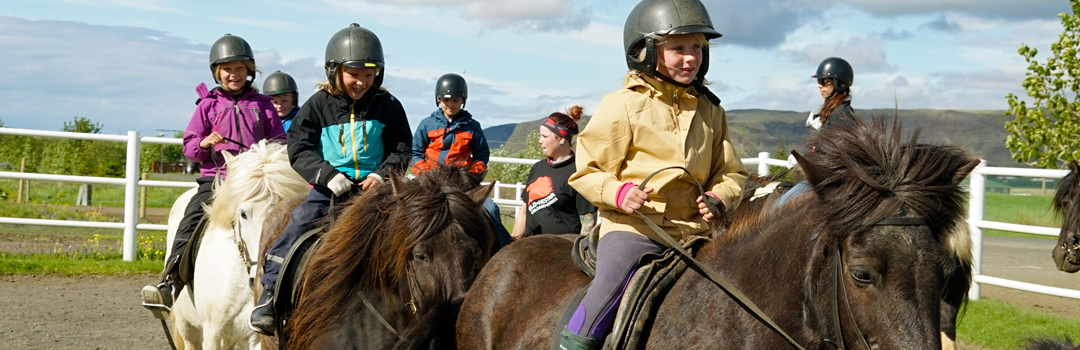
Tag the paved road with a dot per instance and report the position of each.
(1027, 260)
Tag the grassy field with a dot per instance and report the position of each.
(61, 193)
(997, 325)
(1026, 210)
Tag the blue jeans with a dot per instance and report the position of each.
(496, 222)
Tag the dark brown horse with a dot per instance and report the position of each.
(1067, 204)
(874, 227)
(393, 269)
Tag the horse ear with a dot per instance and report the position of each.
(480, 194)
(815, 174)
(228, 157)
(395, 184)
(964, 170)
(1074, 167)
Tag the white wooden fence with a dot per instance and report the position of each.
(131, 182)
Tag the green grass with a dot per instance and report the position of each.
(998, 325)
(1026, 210)
(110, 264)
(52, 192)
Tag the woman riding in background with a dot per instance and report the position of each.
(551, 205)
(663, 116)
(834, 78)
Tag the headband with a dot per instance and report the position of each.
(557, 129)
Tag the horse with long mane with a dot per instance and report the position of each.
(860, 262)
(393, 268)
(1067, 204)
(212, 311)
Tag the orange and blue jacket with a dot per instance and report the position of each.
(459, 142)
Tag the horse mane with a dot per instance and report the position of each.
(1067, 192)
(262, 173)
(369, 247)
(876, 173)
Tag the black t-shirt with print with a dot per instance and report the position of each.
(551, 205)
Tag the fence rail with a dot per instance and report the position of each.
(762, 161)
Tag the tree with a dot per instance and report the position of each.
(75, 157)
(510, 173)
(1047, 132)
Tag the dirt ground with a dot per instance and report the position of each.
(103, 312)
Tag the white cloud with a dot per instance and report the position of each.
(276, 25)
(866, 54)
(1003, 9)
(164, 6)
(529, 15)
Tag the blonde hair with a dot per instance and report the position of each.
(250, 65)
(330, 88)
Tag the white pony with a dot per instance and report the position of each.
(212, 312)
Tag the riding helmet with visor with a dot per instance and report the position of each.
(231, 48)
(650, 20)
(838, 70)
(451, 85)
(355, 47)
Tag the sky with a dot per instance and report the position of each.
(134, 64)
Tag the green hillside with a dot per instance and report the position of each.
(981, 133)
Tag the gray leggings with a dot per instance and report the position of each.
(617, 257)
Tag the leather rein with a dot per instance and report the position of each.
(839, 290)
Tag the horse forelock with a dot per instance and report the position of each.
(1068, 192)
(262, 173)
(876, 173)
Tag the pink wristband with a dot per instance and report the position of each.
(619, 196)
(712, 195)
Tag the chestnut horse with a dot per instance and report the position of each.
(394, 267)
(1067, 204)
(861, 262)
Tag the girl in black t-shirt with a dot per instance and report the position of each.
(551, 205)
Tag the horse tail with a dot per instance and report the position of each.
(1050, 343)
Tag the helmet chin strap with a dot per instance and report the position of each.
(697, 84)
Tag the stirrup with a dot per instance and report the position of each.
(263, 319)
(155, 300)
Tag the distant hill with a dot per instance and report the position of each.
(497, 135)
(981, 133)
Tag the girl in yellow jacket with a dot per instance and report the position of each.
(663, 116)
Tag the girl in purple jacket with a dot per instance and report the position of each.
(229, 118)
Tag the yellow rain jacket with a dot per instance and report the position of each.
(648, 125)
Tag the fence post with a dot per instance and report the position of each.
(131, 194)
(22, 169)
(762, 168)
(975, 214)
(142, 198)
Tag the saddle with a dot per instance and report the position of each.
(292, 270)
(644, 292)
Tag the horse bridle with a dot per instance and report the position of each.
(414, 289)
(245, 253)
(1071, 247)
(839, 290)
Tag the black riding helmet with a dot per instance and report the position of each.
(355, 47)
(839, 71)
(279, 83)
(652, 19)
(451, 85)
(231, 48)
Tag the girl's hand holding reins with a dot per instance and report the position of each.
(634, 199)
(339, 184)
(369, 183)
(704, 210)
(210, 140)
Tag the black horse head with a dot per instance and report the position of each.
(1067, 203)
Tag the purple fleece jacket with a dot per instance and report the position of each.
(247, 120)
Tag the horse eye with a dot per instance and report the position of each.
(420, 256)
(861, 276)
(243, 215)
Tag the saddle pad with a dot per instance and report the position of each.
(644, 294)
(186, 270)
